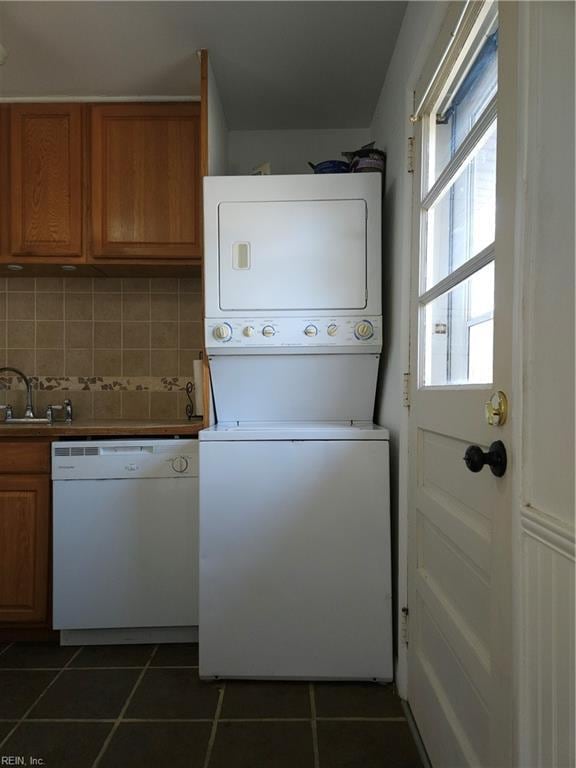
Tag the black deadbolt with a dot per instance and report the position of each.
(496, 458)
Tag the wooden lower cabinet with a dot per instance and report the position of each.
(25, 536)
(24, 548)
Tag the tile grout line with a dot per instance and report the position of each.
(91, 669)
(93, 323)
(6, 648)
(65, 335)
(362, 719)
(314, 726)
(108, 720)
(149, 290)
(118, 720)
(39, 698)
(203, 719)
(215, 722)
(35, 337)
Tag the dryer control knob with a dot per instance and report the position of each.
(332, 329)
(268, 331)
(222, 332)
(311, 330)
(248, 331)
(364, 330)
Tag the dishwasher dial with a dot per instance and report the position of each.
(179, 464)
(364, 330)
(222, 332)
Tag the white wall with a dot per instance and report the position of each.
(544, 398)
(289, 151)
(217, 130)
(390, 129)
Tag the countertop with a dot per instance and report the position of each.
(103, 428)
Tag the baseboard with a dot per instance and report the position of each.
(416, 736)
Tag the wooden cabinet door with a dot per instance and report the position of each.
(24, 548)
(145, 182)
(45, 181)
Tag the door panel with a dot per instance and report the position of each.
(24, 548)
(451, 676)
(146, 181)
(46, 180)
(449, 703)
(455, 580)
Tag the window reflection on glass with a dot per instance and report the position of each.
(457, 329)
(462, 222)
(469, 100)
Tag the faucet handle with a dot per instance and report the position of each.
(8, 412)
(68, 411)
(66, 407)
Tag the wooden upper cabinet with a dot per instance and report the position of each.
(145, 182)
(45, 187)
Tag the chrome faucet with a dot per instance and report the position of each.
(29, 414)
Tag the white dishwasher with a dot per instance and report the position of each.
(125, 538)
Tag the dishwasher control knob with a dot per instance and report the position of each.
(364, 330)
(222, 332)
(179, 464)
(332, 329)
(268, 331)
(311, 330)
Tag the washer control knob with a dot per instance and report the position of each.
(179, 464)
(311, 330)
(268, 331)
(222, 332)
(248, 331)
(364, 330)
(332, 329)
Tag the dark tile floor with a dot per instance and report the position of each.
(145, 707)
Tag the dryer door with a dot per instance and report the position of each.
(292, 255)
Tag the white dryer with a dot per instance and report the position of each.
(294, 501)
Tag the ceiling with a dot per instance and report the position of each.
(277, 64)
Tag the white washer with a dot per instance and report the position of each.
(295, 552)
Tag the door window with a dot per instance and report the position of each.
(458, 214)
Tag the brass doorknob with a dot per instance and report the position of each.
(496, 409)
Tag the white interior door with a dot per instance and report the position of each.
(459, 522)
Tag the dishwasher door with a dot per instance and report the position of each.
(125, 553)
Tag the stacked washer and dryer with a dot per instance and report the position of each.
(295, 575)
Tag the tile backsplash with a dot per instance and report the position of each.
(119, 348)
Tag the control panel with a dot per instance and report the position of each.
(294, 332)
